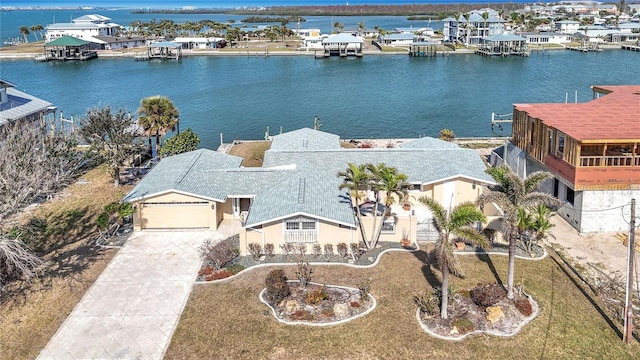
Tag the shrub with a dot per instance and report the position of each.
(356, 251)
(317, 250)
(463, 325)
(428, 303)
(355, 304)
(343, 250)
(277, 287)
(219, 254)
(287, 249)
(446, 135)
(256, 251)
(302, 315)
(300, 249)
(217, 275)
(524, 306)
(235, 268)
(486, 295)
(364, 286)
(303, 273)
(207, 270)
(315, 296)
(328, 251)
(268, 250)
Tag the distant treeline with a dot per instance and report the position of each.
(271, 19)
(180, 11)
(435, 10)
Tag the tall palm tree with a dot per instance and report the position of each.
(388, 180)
(513, 193)
(467, 25)
(24, 31)
(453, 225)
(485, 17)
(157, 115)
(338, 26)
(361, 28)
(355, 178)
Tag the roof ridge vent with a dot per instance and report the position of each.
(188, 168)
(301, 190)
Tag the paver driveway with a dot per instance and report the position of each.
(131, 310)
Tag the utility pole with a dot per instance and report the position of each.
(628, 305)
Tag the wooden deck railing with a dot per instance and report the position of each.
(609, 161)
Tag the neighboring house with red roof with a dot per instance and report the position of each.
(592, 148)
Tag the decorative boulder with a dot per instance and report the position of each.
(494, 314)
(291, 306)
(341, 310)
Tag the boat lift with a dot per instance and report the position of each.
(498, 120)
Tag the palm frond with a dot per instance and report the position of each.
(472, 235)
(533, 181)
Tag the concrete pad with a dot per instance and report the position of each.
(131, 311)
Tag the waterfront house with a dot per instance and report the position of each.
(593, 150)
(85, 27)
(294, 197)
(191, 43)
(397, 39)
(17, 106)
(472, 32)
(545, 38)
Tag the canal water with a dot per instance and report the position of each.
(378, 96)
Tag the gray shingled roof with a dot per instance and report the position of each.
(305, 139)
(421, 166)
(307, 190)
(185, 173)
(20, 105)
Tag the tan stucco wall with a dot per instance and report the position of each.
(173, 213)
(328, 233)
(225, 210)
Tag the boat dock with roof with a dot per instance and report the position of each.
(162, 51)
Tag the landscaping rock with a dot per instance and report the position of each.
(291, 306)
(494, 314)
(341, 311)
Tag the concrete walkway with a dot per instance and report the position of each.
(132, 309)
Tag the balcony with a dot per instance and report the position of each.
(610, 161)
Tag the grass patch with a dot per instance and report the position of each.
(31, 313)
(252, 152)
(227, 320)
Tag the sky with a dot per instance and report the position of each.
(222, 3)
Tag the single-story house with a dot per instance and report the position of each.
(295, 197)
(18, 106)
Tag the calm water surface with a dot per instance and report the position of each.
(373, 97)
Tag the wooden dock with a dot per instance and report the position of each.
(84, 56)
(584, 48)
(489, 53)
(631, 47)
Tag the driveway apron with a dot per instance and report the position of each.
(132, 309)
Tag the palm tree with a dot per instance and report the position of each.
(466, 26)
(24, 31)
(485, 17)
(338, 26)
(388, 180)
(157, 115)
(453, 225)
(513, 193)
(35, 29)
(355, 179)
(457, 15)
(361, 28)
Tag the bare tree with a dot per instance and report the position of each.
(17, 261)
(35, 163)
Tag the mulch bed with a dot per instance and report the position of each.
(536, 253)
(465, 317)
(320, 304)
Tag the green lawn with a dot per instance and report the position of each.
(228, 321)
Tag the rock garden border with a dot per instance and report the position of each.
(372, 303)
(459, 337)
